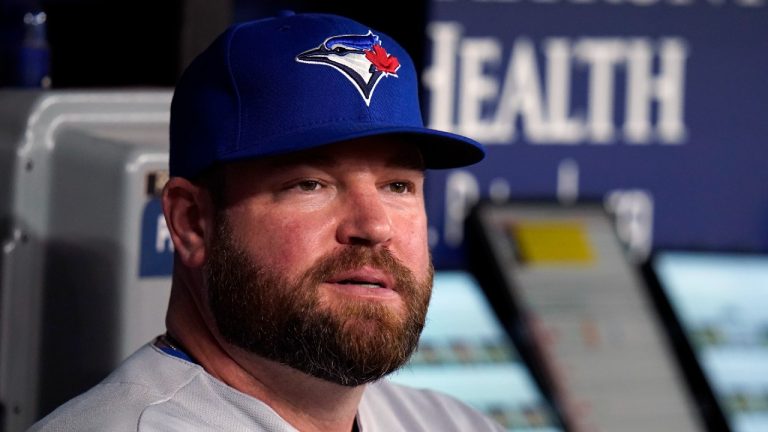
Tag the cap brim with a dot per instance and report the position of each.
(440, 149)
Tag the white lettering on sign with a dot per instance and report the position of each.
(632, 208)
(568, 181)
(462, 192)
(471, 92)
(633, 212)
(163, 240)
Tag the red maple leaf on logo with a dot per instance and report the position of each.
(381, 60)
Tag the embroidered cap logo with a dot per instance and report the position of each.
(361, 58)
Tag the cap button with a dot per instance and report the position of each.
(286, 13)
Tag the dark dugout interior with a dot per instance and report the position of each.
(145, 43)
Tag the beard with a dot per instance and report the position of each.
(347, 341)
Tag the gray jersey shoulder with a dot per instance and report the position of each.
(153, 391)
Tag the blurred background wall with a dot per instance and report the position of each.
(655, 106)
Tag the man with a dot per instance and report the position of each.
(302, 273)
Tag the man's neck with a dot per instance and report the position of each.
(307, 403)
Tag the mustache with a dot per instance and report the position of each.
(356, 257)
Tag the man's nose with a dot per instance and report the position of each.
(365, 219)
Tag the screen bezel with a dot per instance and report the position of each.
(485, 265)
(712, 411)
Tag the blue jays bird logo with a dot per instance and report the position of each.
(361, 58)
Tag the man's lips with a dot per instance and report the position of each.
(369, 279)
(364, 276)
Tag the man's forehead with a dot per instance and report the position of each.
(382, 151)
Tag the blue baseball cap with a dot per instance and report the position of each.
(299, 81)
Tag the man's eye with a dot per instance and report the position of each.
(308, 185)
(399, 187)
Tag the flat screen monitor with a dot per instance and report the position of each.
(720, 303)
(583, 312)
(465, 352)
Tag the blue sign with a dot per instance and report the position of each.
(156, 254)
(658, 107)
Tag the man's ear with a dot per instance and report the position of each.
(189, 215)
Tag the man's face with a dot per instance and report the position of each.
(320, 259)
